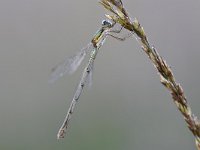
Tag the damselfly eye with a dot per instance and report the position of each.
(106, 23)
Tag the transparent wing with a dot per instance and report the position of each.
(69, 65)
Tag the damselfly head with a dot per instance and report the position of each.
(106, 24)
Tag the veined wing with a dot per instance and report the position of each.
(69, 65)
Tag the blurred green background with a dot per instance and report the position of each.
(126, 108)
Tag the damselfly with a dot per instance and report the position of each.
(70, 65)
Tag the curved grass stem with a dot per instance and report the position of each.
(120, 16)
